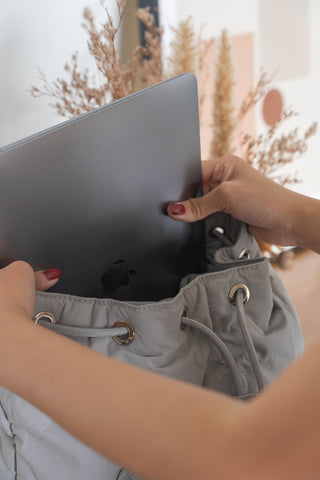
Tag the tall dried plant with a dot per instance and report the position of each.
(119, 79)
(223, 110)
(271, 151)
(203, 73)
(184, 52)
(151, 54)
(80, 93)
(254, 95)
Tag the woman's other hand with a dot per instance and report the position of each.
(18, 284)
(232, 186)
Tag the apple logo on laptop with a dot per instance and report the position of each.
(117, 275)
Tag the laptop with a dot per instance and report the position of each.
(89, 196)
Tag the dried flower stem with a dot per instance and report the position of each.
(271, 151)
(119, 79)
(80, 94)
(184, 51)
(151, 54)
(203, 75)
(254, 95)
(223, 121)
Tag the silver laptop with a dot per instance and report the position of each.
(89, 196)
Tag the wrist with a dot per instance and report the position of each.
(294, 209)
(305, 222)
(19, 343)
(13, 329)
(12, 320)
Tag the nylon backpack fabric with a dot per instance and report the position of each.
(199, 336)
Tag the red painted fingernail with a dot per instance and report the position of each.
(177, 209)
(52, 273)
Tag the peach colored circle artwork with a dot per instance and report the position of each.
(272, 107)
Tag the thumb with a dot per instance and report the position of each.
(197, 208)
(47, 278)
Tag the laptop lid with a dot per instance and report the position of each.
(88, 196)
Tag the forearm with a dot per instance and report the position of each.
(154, 426)
(282, 428)
(162, 429)
(305, 223)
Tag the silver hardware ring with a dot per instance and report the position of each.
(245, 253)
(233, 293)
(184, 313)
(46, 315)
(125, 339)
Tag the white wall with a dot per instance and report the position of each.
(212, 16)
(36, 33)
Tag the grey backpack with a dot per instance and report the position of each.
(232, 329)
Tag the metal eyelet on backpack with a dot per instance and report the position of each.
(184, 313)
(127, 338)
(216, 229)
(44, 315)
(245, 254)
(233, 293)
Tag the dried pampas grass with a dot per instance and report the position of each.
(184, 50)
(223, 111)
(151, 54)
(80, 93)
(271, 151)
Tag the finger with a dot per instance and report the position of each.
(17, 286)
(206, 188)
(217, 170)
(16, 278)
(47, 278)
(206, 168)
(17, 269)
(198, 208)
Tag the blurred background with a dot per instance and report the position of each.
(280, 36)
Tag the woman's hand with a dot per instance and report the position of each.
(234, 187)
(18, 284)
